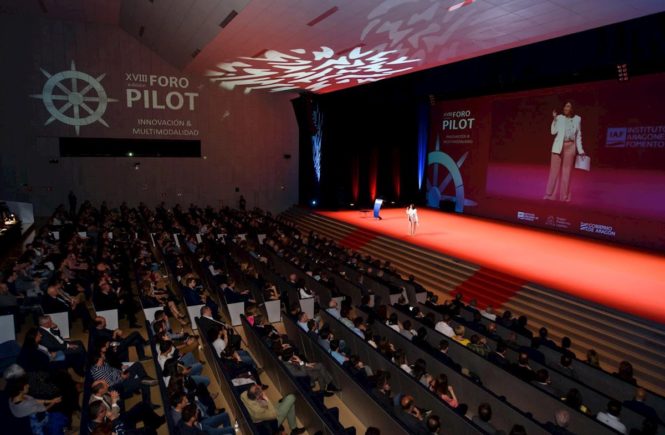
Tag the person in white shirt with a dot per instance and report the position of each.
(443, 326)
(219, 342)
(332, 309)
(611, 417)
(488, 313)
(400, 360)
(303, 318)
(304, 292)
(393, 323)
(412, 216)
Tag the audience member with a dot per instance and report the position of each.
(611, 417)
(483, 417)
(260, 408)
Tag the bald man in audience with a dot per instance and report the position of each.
(411, 416)
(638, 405)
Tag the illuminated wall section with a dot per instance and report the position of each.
(80, 80)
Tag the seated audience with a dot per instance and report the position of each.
(128, 380)
(625, 373)
(498, 357)
(542, 381)
(459, 336)
(73, 351)
(261, 409)
(192, 422)
(522, 369)
(638, 405)
(119, 344)
(561, 422)
(42, 419)
(592, 358)
(411, 416)
(140, 412)
(483, 417)
(574, 399)
(314, 370)
(611, 417)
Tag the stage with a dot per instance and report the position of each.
(622, 278)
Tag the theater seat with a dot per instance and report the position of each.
(268, 427)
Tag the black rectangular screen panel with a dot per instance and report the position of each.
(114, 147)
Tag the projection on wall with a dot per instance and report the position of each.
(75, 90)
(316, 70)
(149, 105)
(317, 138)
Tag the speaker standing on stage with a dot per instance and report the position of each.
(567, 142)
(412, 215)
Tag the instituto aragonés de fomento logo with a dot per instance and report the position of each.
(74, 98)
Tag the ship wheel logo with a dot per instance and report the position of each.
(68, 97)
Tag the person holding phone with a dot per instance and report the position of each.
(567, 132)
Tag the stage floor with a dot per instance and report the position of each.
(626, 279)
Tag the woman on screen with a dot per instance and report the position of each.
(412, 215)
(566, 129)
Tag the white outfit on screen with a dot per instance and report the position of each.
(567, 129)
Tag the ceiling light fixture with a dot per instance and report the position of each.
(622, 72)
(460, 4)
(228, 19)
(323, 16)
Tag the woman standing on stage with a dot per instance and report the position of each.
(412, 215)
(567, 133)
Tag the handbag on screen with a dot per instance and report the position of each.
(583, 162)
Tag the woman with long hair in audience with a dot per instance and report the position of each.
(625, 373)
(47, 373)
(446, 393)
(43, 420)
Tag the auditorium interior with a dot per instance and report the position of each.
(332, 217)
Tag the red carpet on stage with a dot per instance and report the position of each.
(625, 279)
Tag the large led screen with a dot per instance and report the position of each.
(586, 159)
